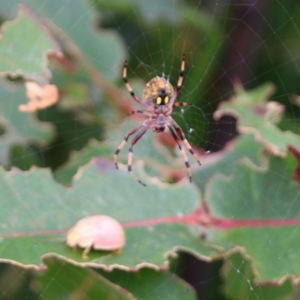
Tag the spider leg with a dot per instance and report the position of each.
(181, 104)
(179, 82)
(183, 154)
(139, 111)
(130, 89)
(123, 143)
(181, 74)
(185, 141)
(130, 154)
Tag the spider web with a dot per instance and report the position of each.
(224, 41)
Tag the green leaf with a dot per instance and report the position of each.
(159, 242)
(64, 280)
(94, 148)
(244, 147)
(259, 117)
(38, 218)
(17, 281)
(149, 284)
(239, 281)
(263, 210)
(24, 56)
(148, 150)
(103, 48)
(19, 127)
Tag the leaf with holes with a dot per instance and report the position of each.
(156, 155)
(19, 128)
(239, 273)
(107, 51)
(158, 219)
(56, 283)
(25, 56)
(244, 147)
(259, 117)
(98, 284)
(258, 211)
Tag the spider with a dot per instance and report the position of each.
(159, 100)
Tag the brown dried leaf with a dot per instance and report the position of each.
(40, 96)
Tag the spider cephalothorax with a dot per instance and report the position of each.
(158, 100)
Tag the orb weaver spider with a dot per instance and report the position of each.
(159, 99)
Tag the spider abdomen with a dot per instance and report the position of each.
(158, 91)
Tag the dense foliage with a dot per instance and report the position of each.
(233, 232)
